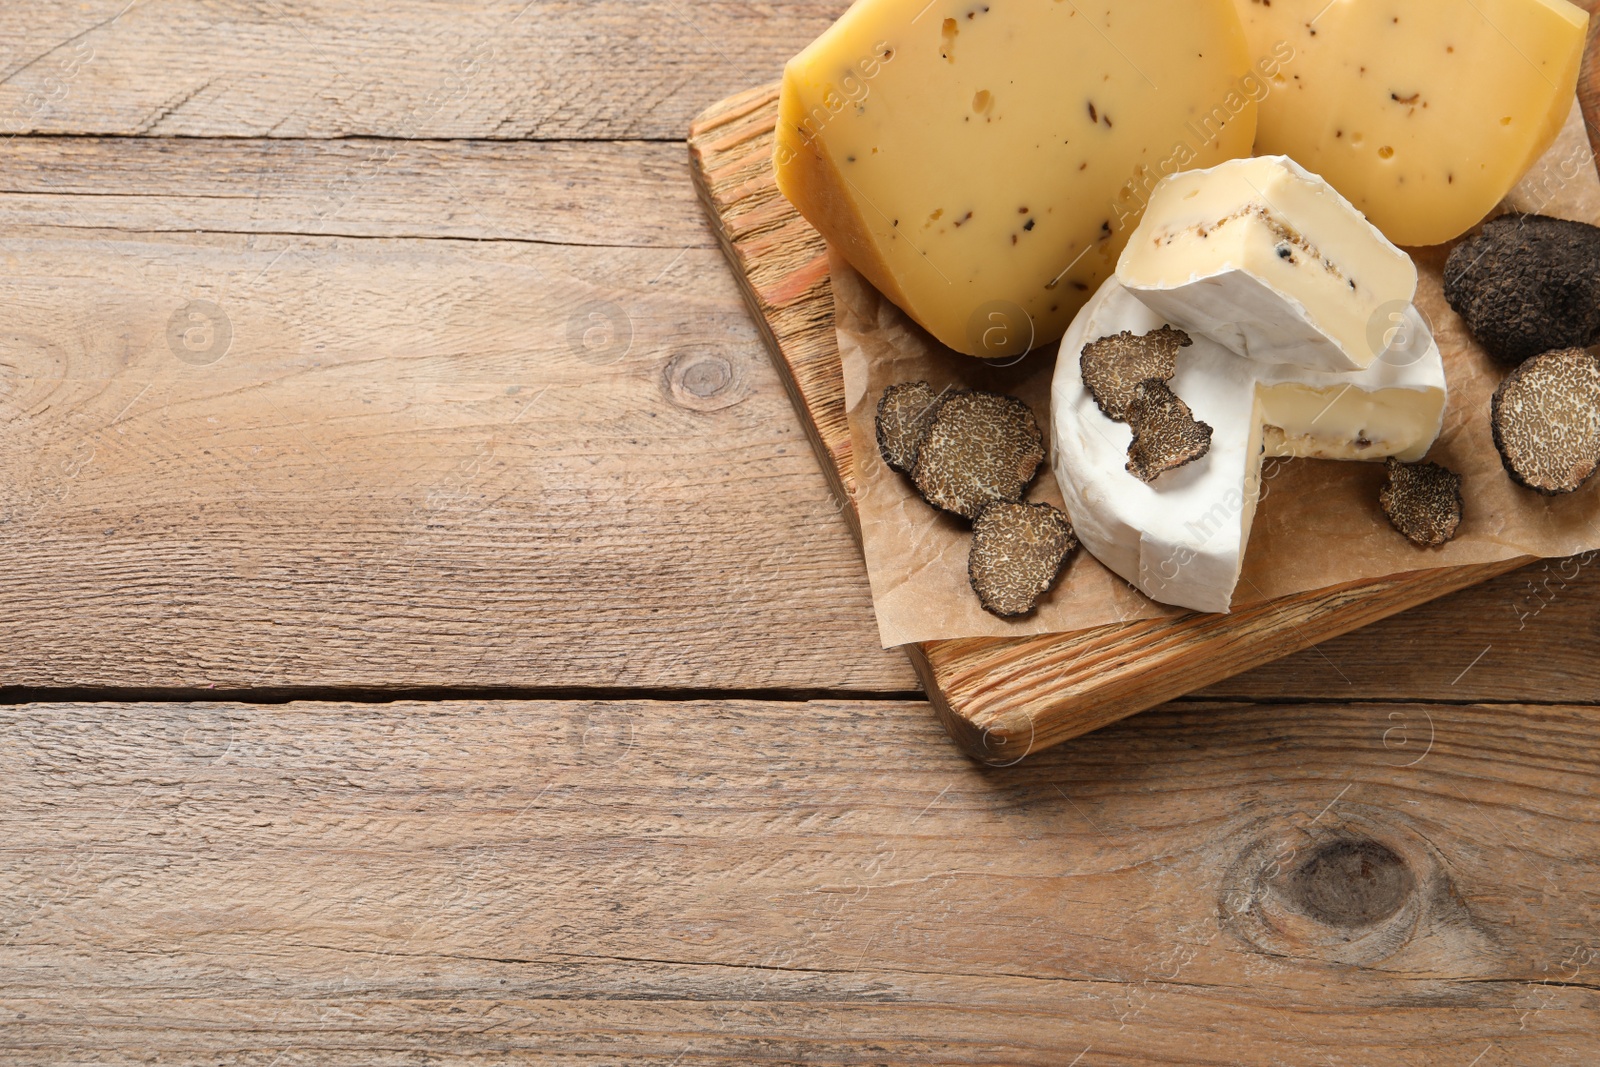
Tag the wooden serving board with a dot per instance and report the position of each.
(1000, 698)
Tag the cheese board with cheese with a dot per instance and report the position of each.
(1260, 325)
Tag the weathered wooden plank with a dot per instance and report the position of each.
(416, 463)
(802, 882)
(543, 69)
(73, 195)
(613, 195)
(1530, 635)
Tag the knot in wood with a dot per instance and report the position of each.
(704, 381)
(1356, 887)
(707, 377)
(1349, 882)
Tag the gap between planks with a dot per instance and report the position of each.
(14, 696)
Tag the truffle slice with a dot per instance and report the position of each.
(1166, 435)
(980, 448)
(1527, 284)
(905, 412)
(1423, 501)
(1114, 366)
(1546, 418)
(1017, 554)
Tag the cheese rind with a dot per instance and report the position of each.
(1181, 539)
(1269, 260)
(983, 164)
(1424, 113)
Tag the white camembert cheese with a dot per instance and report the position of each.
(1181, 540)
(1270, 261)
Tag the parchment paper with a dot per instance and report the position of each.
(1318, 523)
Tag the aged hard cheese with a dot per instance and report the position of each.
(1270, 261)
(983, 163)
(1423, 112)
(1181, 539)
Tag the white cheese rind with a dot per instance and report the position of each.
(1270, 261)
(1181, 540)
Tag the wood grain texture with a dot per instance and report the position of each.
(999, 698)
(739, 882)
(599, 195)
(152, 613)
(1526, 636)
(508, 69)
(420, 461)
(269, 564)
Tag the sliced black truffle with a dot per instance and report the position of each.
(1546, 418)
(981, 448)
(1017, 554)
(1113, 366)
(905, 412)
(1166, 435)
(1527, 284)
(1423, 501)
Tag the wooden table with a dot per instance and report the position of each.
(428, 637)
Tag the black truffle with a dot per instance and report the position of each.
(1166, 434)
(1546, 418)
(1527, 284)
(981, 448)
(1017, 554)
(1423, 501)
(905, 412)
(1113, 366)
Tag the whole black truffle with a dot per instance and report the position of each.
(1527, 284)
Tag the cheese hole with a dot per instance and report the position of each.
(1357, 139)
(1191, 194)
(982, 101)
(1506, 121)
(1385, 152)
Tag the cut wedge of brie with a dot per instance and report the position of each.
(1181, 540)
(1267, 259)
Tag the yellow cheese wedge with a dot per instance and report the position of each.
(1423, 113)
(983, 163)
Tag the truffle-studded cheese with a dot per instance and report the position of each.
(1265, 258)
(982, 163)
(1424, 113)
(1181, 538)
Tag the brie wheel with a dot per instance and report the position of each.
(1267, 259)
(1181, 540)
